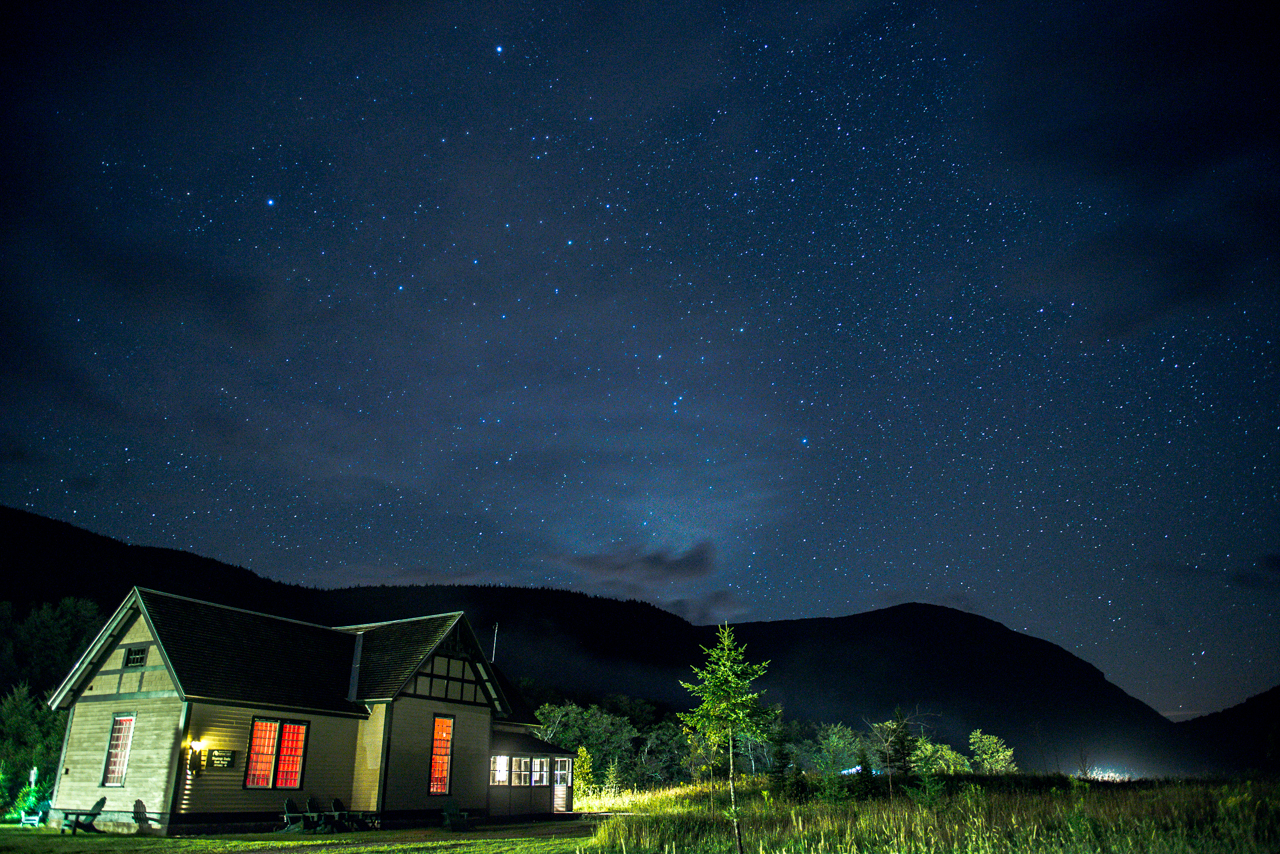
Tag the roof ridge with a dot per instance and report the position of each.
(361, 626)
(233, 608)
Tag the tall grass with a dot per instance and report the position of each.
(1167, 818)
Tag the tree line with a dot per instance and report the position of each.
(624, 742)
(37, 650)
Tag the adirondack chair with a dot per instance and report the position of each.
(321, 821)
(454, 818)
(141, 818)
(354, 819)
(295, 820)
(83, 819)
(38, 817)
(342, 820)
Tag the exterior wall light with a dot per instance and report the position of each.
(195, 758)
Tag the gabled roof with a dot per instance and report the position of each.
(220, 653)
(391, 653)
(224, 654)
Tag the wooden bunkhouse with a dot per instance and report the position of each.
(212, 716)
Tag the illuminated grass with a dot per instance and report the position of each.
(1173, 817)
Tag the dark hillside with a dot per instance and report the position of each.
(46, 560)
(962, 671)
(1246, 735)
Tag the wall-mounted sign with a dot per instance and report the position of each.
(222, 759)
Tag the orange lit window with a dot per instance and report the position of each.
(275, 755)
(118, 750)
(441, 752)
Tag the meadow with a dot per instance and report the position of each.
(1054, 815)
(1017, 815)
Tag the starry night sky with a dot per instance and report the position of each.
(753, 310)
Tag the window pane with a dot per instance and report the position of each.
(564, 772)
(118, 750)
(498, 770)
(293, 739)
(520, 770)
(262, 754)
(441, 751)
(540, 774)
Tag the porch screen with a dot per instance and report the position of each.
(118, 750)
(275, 755)
(441, 752)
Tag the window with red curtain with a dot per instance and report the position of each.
(262, 755)
(276, 749)
(118, 750)
(293, 738)
(441, 753)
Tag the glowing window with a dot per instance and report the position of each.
(564, 772)
(540, 774)
(499, 770)
(519, 770)
(118, 750)
(276, 750)
(441, 753)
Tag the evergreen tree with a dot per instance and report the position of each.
(729, 709)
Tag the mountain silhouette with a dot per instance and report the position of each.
(953, 671)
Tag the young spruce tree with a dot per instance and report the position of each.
(729, 709)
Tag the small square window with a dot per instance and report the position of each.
(135, 656)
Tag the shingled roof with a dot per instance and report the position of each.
(216, 652)
(391, 653)
(223, 653)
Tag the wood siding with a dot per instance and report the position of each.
(153, 755)
(367, 780)
(408, 773)
(146, 691)
(326, 766)
(521, 800)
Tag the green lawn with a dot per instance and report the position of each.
(541, 838)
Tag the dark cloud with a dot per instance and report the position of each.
(632, 565)
(1262, 577)
(677, 583)
(716, 607)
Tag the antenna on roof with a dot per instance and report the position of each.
(494, 654)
